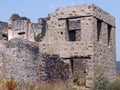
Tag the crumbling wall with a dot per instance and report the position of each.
(15, 17)
(3, 30)
(20, 60)
(35, 30)
(22, 27)
(3, 41)
(38, 30)
(53, 69)
(18, 27)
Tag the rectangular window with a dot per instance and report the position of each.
(109, 34)
(74, 29)
(72, 35)
(21, 33)
(99, 26)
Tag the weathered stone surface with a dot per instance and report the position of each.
(24, 62)
(53, 69)
(21, 60)
(93, 23)
(3, 30)
(15, 17)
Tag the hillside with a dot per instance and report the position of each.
(118, 67)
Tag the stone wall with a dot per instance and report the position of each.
(3, 30)
(3, 40)
(38, 30)
(102, 52)
(22, 27)
(20, 60)
(105, 49)
(18, 27)
(53, 69)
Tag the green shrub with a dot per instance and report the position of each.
(100, 81)
(114, 86)
(38, 37)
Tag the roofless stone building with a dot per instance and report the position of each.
(82, 36)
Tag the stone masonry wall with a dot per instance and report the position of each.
(53, 69)
(57, 37)
(22, 27)
(24, 62)
(20, 60)
(3, 30)
(3, 40)
(18, 27)
(104, 51)
(38, 30)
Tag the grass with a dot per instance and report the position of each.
(100, 83)
(13, 85)
(115, 85)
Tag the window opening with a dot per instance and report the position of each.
(99, 26)
(21, 33)
(109, 33)
(74, 29)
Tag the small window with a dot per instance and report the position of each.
(74, 28)
(99, 26)
(72, 35)
(109, 34)
(21, 33)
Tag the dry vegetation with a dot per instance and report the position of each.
(103, 84)
(13, 85)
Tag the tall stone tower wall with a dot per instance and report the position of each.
(83, 33)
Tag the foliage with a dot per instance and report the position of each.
(79, 79)
(38, 37)
(114, 86)
(100, 81)
(11, 85)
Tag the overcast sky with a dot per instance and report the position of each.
(34, 9)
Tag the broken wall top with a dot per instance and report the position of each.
(83, 10)
(15, 17)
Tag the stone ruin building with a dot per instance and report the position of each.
(75, 38)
